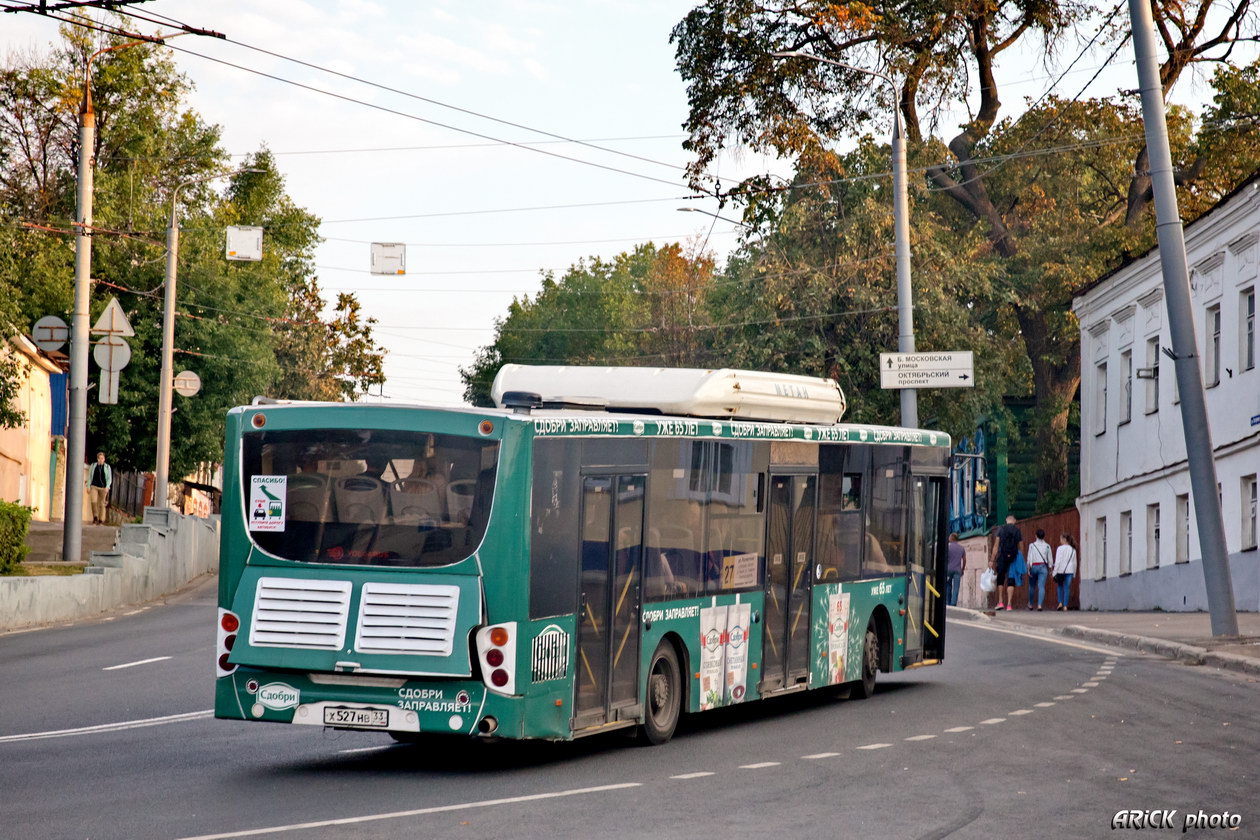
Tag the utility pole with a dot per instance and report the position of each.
(1185, 346)
(80, 326)
(901, 229)
(161, 483)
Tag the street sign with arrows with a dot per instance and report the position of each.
(950, 369)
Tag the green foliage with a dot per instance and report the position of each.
(640, 308)
(244, 328)
(1010, 217)
(15, 520)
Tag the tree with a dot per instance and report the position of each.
(945, 55)
(245, 328)
(645, 307)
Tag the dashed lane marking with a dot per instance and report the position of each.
(960, 729)
(1021, 712)
(874, 746)
(759, 765)
(1045, 705)
(819, 755)
(1090, 685)
(109, 727)
(417, 812)
(366, 749)
(1080, 690)
(137, 662)
(992, 721)
(1065, 697)
(696, 775)
(920, 737)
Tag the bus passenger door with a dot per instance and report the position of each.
(608, 627)
(789, 556)
(924, 610)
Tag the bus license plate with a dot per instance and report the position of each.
(370, 718)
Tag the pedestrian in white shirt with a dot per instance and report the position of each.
(1065, 569)
(1039, 563)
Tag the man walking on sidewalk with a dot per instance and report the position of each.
(100, 479)
(1010, 541)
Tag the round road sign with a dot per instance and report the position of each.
(50, 332)
(112, 352)
(187, 383)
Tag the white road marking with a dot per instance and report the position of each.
(1021, 712)
(417, 812)
(1064, 697)
(136, 612)
(1045, 705)
(874, 746)
(366, 749)
(109, 727)
(820, 755)
(960, 729)
(992, 721)
(137, 662)
(1080, 690)
(1051, 639)
(920, 737)
(692, 775)
(759, 765)
(1090, 685)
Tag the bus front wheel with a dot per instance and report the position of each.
(865, 687)
(663, 704)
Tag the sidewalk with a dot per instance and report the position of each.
(1186, 637)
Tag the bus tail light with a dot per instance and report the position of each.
(496, 648)
(228, 624)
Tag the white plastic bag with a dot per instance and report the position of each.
(988, 580)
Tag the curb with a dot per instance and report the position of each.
(1186, 654)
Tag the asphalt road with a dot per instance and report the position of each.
(1015, 736)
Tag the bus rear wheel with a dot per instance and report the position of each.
(663, 704)
(865, 687)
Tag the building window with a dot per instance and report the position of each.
(1152, 383)
(1126, 399)
(1100, 399)
(1100, 547)
(1183, 528)
(1212, 363)
(1247, 330)
(1126, 542)
(1152, 536)
(1249, 511)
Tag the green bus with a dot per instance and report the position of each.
(609, 548)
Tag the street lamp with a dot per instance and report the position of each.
(80, 321)
(165, 383)
(901, 227)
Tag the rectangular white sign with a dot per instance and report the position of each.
(266, 502)
(951, 369)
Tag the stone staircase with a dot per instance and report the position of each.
(44, 540)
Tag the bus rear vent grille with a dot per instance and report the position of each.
(300, 613)
(407, 618)
(551, 655)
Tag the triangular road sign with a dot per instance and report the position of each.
(113, 320)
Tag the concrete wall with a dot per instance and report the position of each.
(1174, 588)
(151, 560)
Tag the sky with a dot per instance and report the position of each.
(482, 219)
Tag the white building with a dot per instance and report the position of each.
(1140, 543)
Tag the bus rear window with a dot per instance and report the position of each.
(367, 497)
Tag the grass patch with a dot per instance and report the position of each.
(43, 569)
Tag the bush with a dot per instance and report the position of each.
(15, 521)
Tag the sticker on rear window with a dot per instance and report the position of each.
(266, 502)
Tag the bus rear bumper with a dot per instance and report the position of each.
(446, 706)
